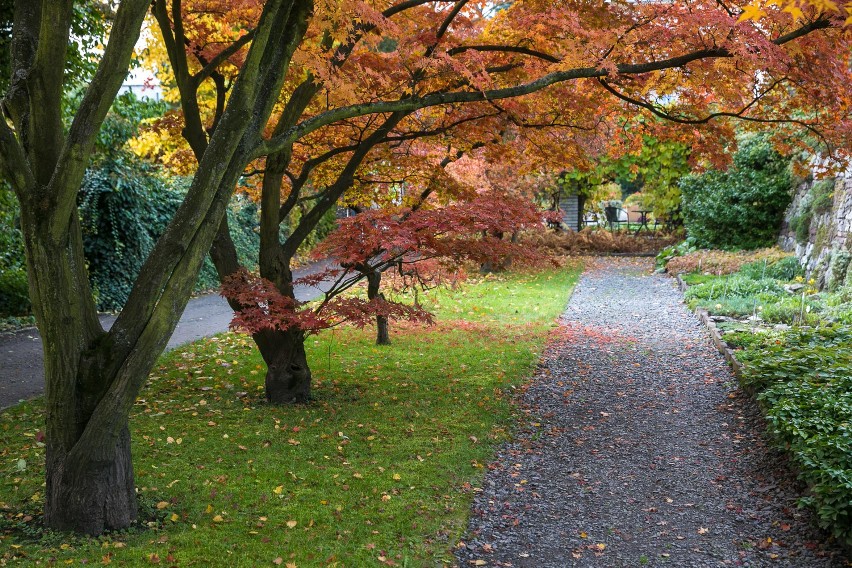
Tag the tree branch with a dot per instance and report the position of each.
(739, 115)
(506, 49)
(411, 104)
(73, 159)
(221, 57)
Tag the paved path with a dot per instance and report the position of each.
(638, 450)
(22, 368)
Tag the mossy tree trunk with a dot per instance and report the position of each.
(92, 377)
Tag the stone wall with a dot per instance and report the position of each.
(818, 228)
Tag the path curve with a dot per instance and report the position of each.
(21, 357)
(637, 450)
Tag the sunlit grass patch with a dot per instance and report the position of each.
(379, 468)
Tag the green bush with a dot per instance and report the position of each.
(805, 381)
(735, 285)
(785, 269)
(740, 208)
(14, 297)
(125, 206)
(14, 293)
(685, 247)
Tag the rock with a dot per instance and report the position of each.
(721, 318)
(794, 288)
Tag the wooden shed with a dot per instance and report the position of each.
(571, 207)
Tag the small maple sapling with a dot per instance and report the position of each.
(417, 243)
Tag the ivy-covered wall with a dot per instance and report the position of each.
(818, 228)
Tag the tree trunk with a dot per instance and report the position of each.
(374, 282)
(89, 483)
(88, 494)
(288, 376)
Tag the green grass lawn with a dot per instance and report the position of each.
(379, 469)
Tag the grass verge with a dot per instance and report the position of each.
(379, 469)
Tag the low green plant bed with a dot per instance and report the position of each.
(380, 468)
(804, 380)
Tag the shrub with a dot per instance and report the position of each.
(740, 208)
(731, 286)
(785, 269)
(14, 297)
(14, 293)
(125, 206)
(685, 247)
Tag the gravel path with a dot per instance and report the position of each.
(637, 449)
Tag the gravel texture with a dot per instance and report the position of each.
(637, 449)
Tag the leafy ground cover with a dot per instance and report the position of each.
(602, 241)
(380, 468)
(797, 354)
(804, 380)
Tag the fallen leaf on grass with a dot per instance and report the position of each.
(292, 524)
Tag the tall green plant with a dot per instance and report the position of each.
(740, 208)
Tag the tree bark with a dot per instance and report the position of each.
(288, 376)
(374, 282)
(89, 486)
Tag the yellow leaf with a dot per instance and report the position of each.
(584, 534)
(291, 565)
(278, 490)
(292, 524)
(794, 11)
(397, 477)
(600, 546)
(162, 505)
(751, 11)
(293, 442)
(218, 519)
(209, 509)
(174, 517)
